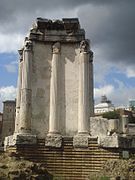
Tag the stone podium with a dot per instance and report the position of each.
(55, 84)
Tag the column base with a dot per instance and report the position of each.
(81, 140)
(18, 138)
(53, 140)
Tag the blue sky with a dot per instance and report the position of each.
(108, 24)
(8, 69)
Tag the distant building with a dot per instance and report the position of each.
(8, 123)
(104, 106)
(132, 104)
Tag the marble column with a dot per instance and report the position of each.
(26, 92)
(124, 124)
(54, 137)
(22, 133)
(19, 86)
(84, 91)
(82, 137)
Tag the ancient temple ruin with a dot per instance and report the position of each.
(55, 83)
(55, 102)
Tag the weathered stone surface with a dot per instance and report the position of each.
(55, 89)
(52, 52)
(81, 140)
(109, 141)
(53, 140)
(20, 139)
(24, 122)
(98, 126)
(101, 127)
(65, 30)
(117, 141)
(124, 124)
(83, 88)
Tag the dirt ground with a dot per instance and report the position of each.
(12, 167)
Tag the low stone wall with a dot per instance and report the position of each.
(68, 162)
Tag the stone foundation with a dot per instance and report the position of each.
(117, 141)
(81, 140)
(67, 161)
(17, 139)
(53, 140)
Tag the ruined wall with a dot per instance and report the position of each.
(48, 82)
(68, 162)
(41, 88)
(41, 73)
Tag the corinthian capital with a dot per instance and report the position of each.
(28, 45)
(56, 48)
(84, 46)
(20, 51)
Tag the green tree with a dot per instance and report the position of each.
(111, 115)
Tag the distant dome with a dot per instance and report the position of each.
(104, 106)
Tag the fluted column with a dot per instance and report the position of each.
(25, 107)
(84, 91)
(22, 133)
(54, 138)
(81, 139)
(19, 86)
(54, 90)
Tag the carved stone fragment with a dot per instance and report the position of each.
(84, 46)
(56, 48)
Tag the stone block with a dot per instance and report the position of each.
(98, 126)
(81, 140)
(17, 139)
(109, 141)
(117, 141)
(53, 140)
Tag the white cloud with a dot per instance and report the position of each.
(130, 72)
(104, 90)
(13, 35)
(10, 42)
(7, 93)
(101, 66)
(119, 96)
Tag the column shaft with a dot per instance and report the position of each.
(25, 108)
(18, 98)
(83, 101)
(54, 91)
